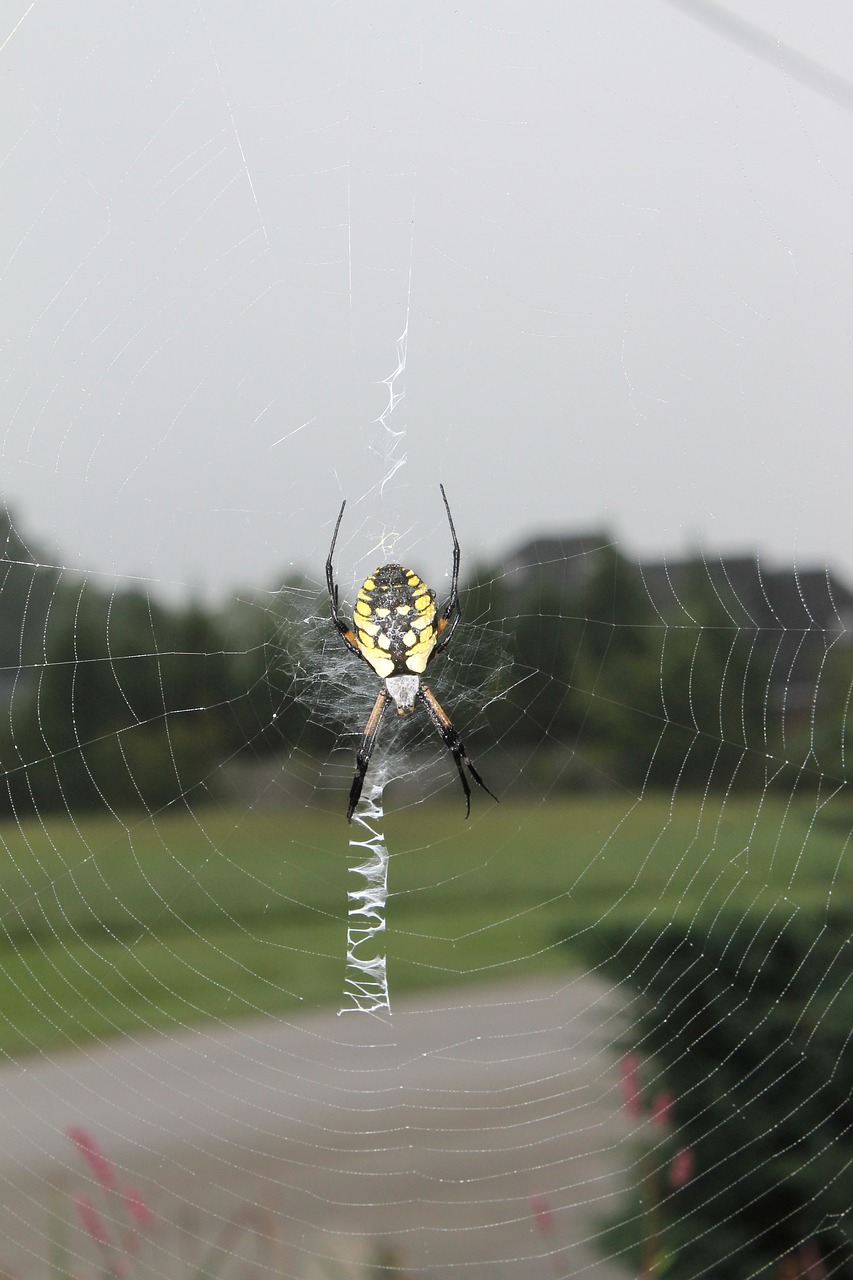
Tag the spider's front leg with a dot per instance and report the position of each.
(365, 748)
(451, 615)
(343, 630)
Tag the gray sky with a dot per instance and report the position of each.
(618, 245)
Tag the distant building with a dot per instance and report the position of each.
(557, 565)
(795, 616)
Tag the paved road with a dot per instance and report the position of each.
(433, 1128)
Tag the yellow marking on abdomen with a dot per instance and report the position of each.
(383, 666)
(418, 656)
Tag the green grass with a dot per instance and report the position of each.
(113, 926)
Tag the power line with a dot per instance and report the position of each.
(784, 57)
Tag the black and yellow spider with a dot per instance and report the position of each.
(398, 632)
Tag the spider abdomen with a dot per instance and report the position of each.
(395, 621)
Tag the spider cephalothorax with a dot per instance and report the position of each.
(398, 631)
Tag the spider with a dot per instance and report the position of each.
(398, 632)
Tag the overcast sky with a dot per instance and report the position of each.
(617, 242)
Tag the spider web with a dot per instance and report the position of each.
(588, 270)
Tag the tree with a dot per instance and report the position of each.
(747, 1020)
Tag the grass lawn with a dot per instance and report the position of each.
(121, 926)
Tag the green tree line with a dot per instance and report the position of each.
(109, 697)
(649, 692)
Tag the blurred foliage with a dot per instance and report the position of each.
(746, 1021)
(112, 698)
(650, 700)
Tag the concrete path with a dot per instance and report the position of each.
(433, 1129)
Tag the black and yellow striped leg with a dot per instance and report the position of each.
(365, 749)
(453, 742)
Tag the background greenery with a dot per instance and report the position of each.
(112, 926)
(115, 700)
(746, 1019)
(692, 845)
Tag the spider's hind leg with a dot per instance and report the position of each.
(453, 742)
(365, 749)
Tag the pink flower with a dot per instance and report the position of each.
(811, 1261)
(682, 1168)
(661, 1108)
(137, 1209)
(95, 1158)
(543, 1216)
(629, 1071)
(91, 1219)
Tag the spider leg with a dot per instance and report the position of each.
(346, 634)
(365, 748)
(444, 627)
(453, 742)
